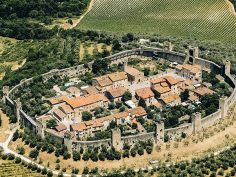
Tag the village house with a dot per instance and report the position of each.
(138, 112)
(110, 81)
(134, 75)
(171, 100)
(166, 85)
(116, 94)
(58, 114)
(86, 103)
(57, 101)
(66, 109)
(89, 90)
(73, 91)
(201, 91)
(192, 72)
(89, 128)
(146, 94)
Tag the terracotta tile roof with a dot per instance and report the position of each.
(66, 109)
(59, 113)
(105, 82)
(97, 122)
(170, 98)
(117, 76)
(192, 98)
(60, 127)
(73, 90)
(138, 111)
(135, 122)
(157, 104)
(160, 89)
(144, 93)
(117, 92)
(85, 100)
(167, 79)
(57, 100)
(192, 68)
(203, 91)
(132, 71)
(108, 79)
(79, 127)
(91, 90)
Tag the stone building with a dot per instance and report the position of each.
(134, 75)
(86, 103)
(191, 72)
(146, 94)
(111, 81)
(116, 94)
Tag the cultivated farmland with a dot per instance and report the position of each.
(9, 168)
(211, 19)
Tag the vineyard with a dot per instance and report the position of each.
(10, 168)
(205, 20)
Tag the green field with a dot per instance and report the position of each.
(202, 19)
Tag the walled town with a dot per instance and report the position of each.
(138, 99)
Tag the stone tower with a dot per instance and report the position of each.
(41, 126)
(196, 122)
(17, 109)
(191, 55)
(167, 46)
(226, 67)
(223, 106)
(5, 91)
(116, 139)
(159, 133)
(68, 140)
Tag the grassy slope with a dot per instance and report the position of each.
(202, 19)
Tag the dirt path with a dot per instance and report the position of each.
(231, 7)
(4, 128)
(76, 22)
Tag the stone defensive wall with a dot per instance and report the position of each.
(197, 125)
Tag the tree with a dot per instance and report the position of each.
(146, 71)
(134, 126)
(86, 170)
(133, 152)
(86, 116)
(21, 150)
(113, 124)
(111, 106)
(76, 156)
(149, 149)
(0, 120)
(122, 109)
(142, 103)
(52, 123)
(126, 96)
(184, 95)
(141, 151)
(100, 66)
(15, 135)
(34, 154)
(116, 45)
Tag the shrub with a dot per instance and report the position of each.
(76, 156)
(18, 160)
(86, 170)
(10, 156)
(49, 173)
(34, 154)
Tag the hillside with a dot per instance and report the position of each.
(206, 20)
